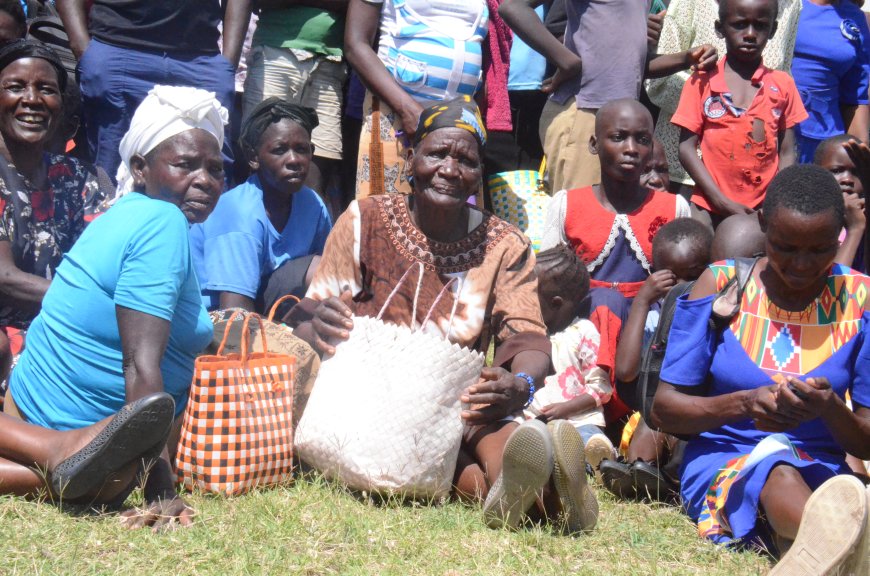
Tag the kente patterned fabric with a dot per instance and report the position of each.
(796, 343)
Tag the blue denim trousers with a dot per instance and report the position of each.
(115, 80)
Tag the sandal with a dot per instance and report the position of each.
(135, 431)
(616, 477)
(649, 482)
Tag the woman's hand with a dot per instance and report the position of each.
(332, 322)
(496, 395)
(806, 400)
(762, 405)
(160, 514)
(164, 508)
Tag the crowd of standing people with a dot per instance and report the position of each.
(692, 329)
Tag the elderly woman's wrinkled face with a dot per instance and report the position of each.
(446, 167)
(801, 248)
(186, 170)
(31, 105)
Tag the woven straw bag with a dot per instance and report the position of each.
(521, 197)
(384, 414)
(237, 431)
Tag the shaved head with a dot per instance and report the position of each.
(616, 108)
(738, 236)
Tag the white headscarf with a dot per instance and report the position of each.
(165, 112)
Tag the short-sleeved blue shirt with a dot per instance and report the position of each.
(237, 245)
(828, 339)
(830, 66)
(136, 255)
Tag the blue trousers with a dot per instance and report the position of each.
(115, 80)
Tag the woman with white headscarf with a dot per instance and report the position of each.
(123, 317)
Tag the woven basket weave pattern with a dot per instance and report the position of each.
(384, 414)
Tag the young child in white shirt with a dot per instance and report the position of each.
(577, 389)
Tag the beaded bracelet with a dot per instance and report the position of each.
(531, 382)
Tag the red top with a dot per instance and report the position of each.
(592, 230)
(741, 166)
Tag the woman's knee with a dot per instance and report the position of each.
(784, 475)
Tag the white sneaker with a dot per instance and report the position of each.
(831, 530)
(598, 448)
(579, 505)
(859, 563)
(527, 465)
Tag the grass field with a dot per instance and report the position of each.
(318, 528)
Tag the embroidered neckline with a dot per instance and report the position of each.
(441, 257)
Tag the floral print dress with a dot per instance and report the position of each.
(43, 224)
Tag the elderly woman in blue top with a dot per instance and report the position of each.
(123, 317)
(265, 236)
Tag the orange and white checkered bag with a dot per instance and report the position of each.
(237, 431)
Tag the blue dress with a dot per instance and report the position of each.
(725, 469)
(136, 255)
(830, 69)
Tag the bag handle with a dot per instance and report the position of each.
(278, 302)
(443, 291)
(236, 314)
(245, 334)
(419, 266)
(727, 301)
(376, 152)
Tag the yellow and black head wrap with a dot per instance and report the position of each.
(461, 112)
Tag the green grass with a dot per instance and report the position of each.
(313, 527)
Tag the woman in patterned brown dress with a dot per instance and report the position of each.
(378, 238)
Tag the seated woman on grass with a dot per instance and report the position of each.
(265, 236)
(123, 318)
(763, 397)
(46, 199)
(378, 238)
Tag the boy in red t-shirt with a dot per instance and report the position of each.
(741, 114)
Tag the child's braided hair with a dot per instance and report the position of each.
(563, 268)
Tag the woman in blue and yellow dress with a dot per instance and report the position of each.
(763, 397)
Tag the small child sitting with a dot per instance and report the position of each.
(681, 252)
(841, 156)
(741, 115)
(578, 388)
